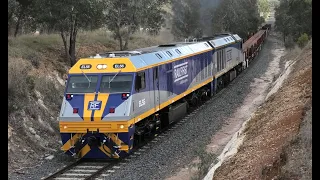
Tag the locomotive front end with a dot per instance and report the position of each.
(95, 119)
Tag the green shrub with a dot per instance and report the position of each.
(303, 40)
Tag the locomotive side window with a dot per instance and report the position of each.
(158, 55)
(140, 81)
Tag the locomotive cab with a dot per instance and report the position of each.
(105, 96)
(96, 113)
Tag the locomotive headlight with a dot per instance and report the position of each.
(121, 126)
(125, 95)
(101, 66)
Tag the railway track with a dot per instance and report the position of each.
(99, 169)
(84, 170)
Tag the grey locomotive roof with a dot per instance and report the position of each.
(162, 47)
(144, 57)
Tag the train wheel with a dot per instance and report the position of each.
(205, 94)
(220, 84)
(194, 100)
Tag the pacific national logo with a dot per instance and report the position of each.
(94, 105)
(180, 71)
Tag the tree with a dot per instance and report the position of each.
(123, 18)
(303, 40)
(289, 44)
(264, 7)
(24, 6)
(186, 19)
(273, 3)
(207, 7)
(19, 12)
(283, 22)
(293, 18)
(12, 13)
(67, 17)
(237, 16)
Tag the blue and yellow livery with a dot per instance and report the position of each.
(114, 100)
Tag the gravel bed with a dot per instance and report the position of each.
(43, 168)
(181, 145)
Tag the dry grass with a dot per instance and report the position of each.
(88, 43)
(32, 58)
(52, 94)
(19, 83)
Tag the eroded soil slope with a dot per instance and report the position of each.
(277, 142)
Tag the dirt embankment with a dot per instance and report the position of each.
(278, 143)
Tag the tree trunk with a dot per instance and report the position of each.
(72, 51)
(126, 42)
(72, 48)
(72, 43)
(127, 37)
(9, 29)
(64, 39)
(9, 22)
(119, 37)
(18, 23)
(125, 47)
(118, 26)
(120, 42)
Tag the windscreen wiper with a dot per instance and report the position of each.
(113, 77)
(87, 78)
